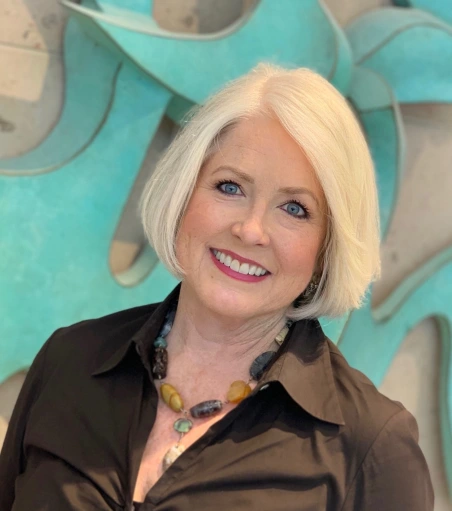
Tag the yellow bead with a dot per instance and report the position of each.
(171, 397)
(238, 391)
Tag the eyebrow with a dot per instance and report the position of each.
(289, 190)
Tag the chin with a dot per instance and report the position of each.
(229, 302)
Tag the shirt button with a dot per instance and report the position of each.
(264, 386)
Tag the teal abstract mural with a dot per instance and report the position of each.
(410, 48)
(440, 8)
(66, 199)
(404, 52)
(123, 74)
(91, 75)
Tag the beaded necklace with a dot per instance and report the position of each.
(237, 392)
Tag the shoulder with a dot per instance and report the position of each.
(358, 397)
(87, 343)
(383, 440)
(367, 412)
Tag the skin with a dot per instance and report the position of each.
(254, 222)
(223, 323)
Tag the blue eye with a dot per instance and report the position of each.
(228, 187)
(295, 209)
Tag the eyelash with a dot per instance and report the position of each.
(293, 201)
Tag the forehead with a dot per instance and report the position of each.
(261, 145)
(263, 134)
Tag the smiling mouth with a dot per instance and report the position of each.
(237, 266)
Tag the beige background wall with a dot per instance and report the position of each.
(31, 98)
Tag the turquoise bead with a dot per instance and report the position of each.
(183, 425)
(160, 343)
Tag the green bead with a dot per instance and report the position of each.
(160, 343)
(183, 425)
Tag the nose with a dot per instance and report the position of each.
(251, 230)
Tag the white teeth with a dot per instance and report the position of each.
(234, 264)
(244, 267)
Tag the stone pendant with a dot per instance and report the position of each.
(260, 364)
(171, 397)
(238, 391)
(183, 425)
(206, 409)
(172, 455)
(160, 363)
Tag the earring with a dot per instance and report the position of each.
(311, 288)
(307, 295)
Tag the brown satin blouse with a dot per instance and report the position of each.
(314, 434)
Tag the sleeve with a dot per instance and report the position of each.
(394, 475)
(12, 458)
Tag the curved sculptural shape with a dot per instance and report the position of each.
(371, 338)
(54, 266)
(300, 33)
(410, 48)
(375, 123)
(54, 263)
(90, 79)
(439, 8)
(138, 6)
(380, 116)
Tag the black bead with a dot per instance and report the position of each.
(260, 364)
(160, 363)
(206, 409)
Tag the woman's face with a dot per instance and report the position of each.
(257, 206)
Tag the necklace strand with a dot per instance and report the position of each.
(237, 392)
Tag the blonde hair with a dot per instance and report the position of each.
(320, 120)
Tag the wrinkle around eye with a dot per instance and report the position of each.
(303, 209)
(221, 185)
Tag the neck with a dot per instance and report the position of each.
(204, 338)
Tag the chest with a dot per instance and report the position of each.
(264, 458)
(263, 454)
(162, 437)
(251, 465)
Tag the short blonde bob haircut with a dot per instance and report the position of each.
(320, 120)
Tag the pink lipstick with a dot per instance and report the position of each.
(234, 274)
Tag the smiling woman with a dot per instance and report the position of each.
(253, 215)
(228, 394)
(298, 108)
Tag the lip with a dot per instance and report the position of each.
(240, 259)
(235, 275)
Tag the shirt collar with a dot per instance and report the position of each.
(303, 368)
(142, 339)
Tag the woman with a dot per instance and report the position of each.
(227, 395)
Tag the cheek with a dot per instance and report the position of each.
(299, 256)
(195, 227)
(204, 217)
